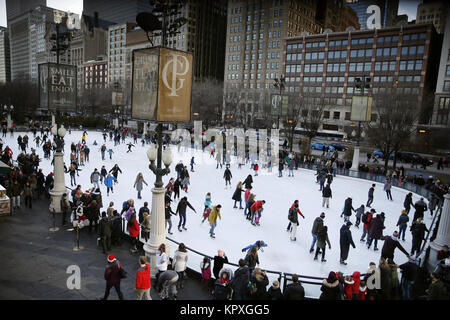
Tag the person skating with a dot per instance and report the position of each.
(375, 231)
(227, 176)
(370, 195)
(252, 258)
(129, 147)
(432, 203)
(420, 207)
(256, 210)
(366, 220)
(215, 213)
(181, 209)
(248, 182)
(139, 184)
(418, 229)
(95, 177)
(110, 152)
(109, 183)
(408, 202)
(115, 172)
(387, 188)
(348, 207)
(359, 213)
(389, 246)
(317, 225)
(208, 207)
(345, 241)
(112, 276)
(402, 224)
(250, 202)
(237, 196)
(293, 220)
(322, 241)
(246, 196)
(103, 174)
(326, 196)
(168, 213)
(260, 244)
(280, 168)
(192, 164)
(176, 189)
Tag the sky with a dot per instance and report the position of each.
(408, 7)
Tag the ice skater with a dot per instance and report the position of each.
(227, 176)
(129, 147)
(260, 244)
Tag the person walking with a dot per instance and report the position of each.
(317, 225)
(133, 229)
(113, 276)
(179, 263)
(418, 229)
(181, 209)
(370, 195)
(326, 196)
(215, 213)
(402, 224)
(139, 184)
(387, 188)
(237, 196)
(322, 241)
(345, 241)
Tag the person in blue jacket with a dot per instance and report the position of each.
(260, 244)
(109, 183)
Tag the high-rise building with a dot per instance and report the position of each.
(118, 11)
(88, 43)
(335, 15)
(256, 33)
(400, 59)
(5, 65)
(442, 95)
(30, 34)
(435, 12)
(388, 11)
(17, 7)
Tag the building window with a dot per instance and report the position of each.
(447, 71)
(446, 87)
(336, 115)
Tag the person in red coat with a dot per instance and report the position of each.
(367, 224)
(348, 287)
(133, 229)
(256, 210)
(143, 279)
(357, 281)
(362, 291)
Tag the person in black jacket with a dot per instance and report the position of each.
(348, 207)
(370, 195)
(237, 196)
(142, 210)
(375, 231)
(248, 182)
(274, 292)
(409, 274)
(181, 209)
(240, 281)
(169, 212)
(294, 290)
(408, 202)
(252, 258)
(227, 176)
(222, 289)
(260, 281)
(326, 195)
(390, 243)
(330, 287)
(105, 232)
(219, 261)
(420, 207)
(345, 241)
(176, 189)
(418, 235)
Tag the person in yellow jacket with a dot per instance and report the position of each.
(213, 219)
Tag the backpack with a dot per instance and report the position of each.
(364, 218)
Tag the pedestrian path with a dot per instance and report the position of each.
(34, 261)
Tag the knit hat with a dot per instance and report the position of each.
(403, 211)
(349, 223)
(395, 234)
(111, 258)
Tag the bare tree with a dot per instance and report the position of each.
(22, 94)
(207, 100)
(397, 116)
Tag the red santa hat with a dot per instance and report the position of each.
(111, 258)
(51, 173)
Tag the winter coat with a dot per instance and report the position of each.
(390, 243)
(139, 184)
(348, 289)
(181, 208)
(143, 279)
(274, 293)
(257, 206)
(326, 192)
(369, 220)
(387, 186)
(371, 191)
(317, 225)
(348, 207)
(134, 229)
(261, 285)
(214, 214)
(437, 291)
(359, 212)
(206, 270)
(418, 230)
(222, 289)
(179, 261)
(330, 291)
(322, 240)
(240, 281)
(105, 227)
(246, 194)
(109, 181)
(251, 260)
(386, 279)
(409, 270)
(169, 212)
(403, 220)
(227, 174)
(357, 280)
(248, 182)
(346, 238)
(362, 293)
(218, 264)
(161, 261)
(376, 227)
(294, 291)
(237, 195)
(112, 275)
(95, 176)
(420, 207)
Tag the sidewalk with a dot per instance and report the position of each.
(34, 261)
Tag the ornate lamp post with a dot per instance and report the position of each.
(9, 110)
(279, 84)
(59, 186)
(116, 120)
(157, 217)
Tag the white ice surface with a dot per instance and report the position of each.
(233, 231)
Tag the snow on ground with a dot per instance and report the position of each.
(233, 231)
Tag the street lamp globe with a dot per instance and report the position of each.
(363, 134)
(152, 152)
(353, 133)
(54, 130)
(12, 107)
(167, 157)
(62, 131)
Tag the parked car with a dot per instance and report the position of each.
(320, 145)
(338, 146)
(379, 154)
